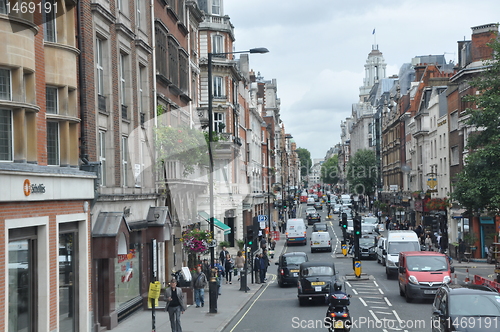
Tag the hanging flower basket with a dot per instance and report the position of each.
(196, 241)
(437, 204)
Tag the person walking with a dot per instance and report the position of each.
(220, 274)
(428, 242)
(175, 305)
(274, 225)
(222, 255)
(239, 262)
(228, 267)
(199, 283)
(461, 250)
(264, 263)
(256, 268)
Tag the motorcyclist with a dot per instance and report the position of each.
(337, 294)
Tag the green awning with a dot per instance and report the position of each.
(217, 223)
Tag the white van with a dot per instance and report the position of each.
(398, 241)
(296, 231)
(310, 201)
(321, 241)
(381, 247)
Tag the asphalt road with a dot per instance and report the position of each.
(376, 304)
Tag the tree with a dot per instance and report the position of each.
(362, 172)
(477, 186)
(305, 161)
(329, 170)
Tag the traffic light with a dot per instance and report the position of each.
(344, 220)
(250, 235)
(357, 226)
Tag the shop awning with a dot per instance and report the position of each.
(217, 223)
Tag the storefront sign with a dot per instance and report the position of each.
(30, 188)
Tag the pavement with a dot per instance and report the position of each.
(229, 304)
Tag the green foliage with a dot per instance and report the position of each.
(224, 244)
(305, 161)
(477, 186)
(330, 170)
(187, 145)
(362, 172)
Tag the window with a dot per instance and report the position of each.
(6, 135)
(125, 160)
(453, 121)
(123, 81)
(51, 100)
(68, 290)
(3, 6)
(184, 72)
(52, 143)
(5, 84)
(102, 155)
(218, 87)
(454, 155)
(216, 7)
(161, 51)
(219, 122)
(100, 66)
(173, 62)
(141, 84)
(217, 44)
(49, 26)
(138, 4)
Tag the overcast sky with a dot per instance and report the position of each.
(318, 49)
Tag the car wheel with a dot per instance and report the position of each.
(407, 297)
(302, 301)
(280, 284)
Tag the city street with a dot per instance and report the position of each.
(375, 304)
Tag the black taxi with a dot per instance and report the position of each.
(315, 280)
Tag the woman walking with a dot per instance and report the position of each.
(228, 267)
(239, 262)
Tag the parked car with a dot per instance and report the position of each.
(320, 227)
(367, 246)
(313, 218)
(315, 280)
(471, 308)
(288, 267)
(321, 241)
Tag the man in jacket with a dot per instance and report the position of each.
(175, 305)
(199, 283)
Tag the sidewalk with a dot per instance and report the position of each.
(195, 319)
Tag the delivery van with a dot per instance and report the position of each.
(321, 241)
(421, 273)
(398, 241)
(296, 231)
(310, 201)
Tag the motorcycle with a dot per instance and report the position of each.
(338, 318)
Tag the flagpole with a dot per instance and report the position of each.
(374, 38)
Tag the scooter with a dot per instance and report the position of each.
(338, 318)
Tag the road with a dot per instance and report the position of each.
(375, 304)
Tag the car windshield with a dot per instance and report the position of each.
(366, 241)
(314, 271)
(427, 263)
(396, 247)
(294, 260)
(476, 305)
(372, 221)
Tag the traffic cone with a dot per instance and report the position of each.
(467, 279)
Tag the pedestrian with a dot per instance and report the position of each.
(264, 264)
(175, 305)
(256, 268)
(228, 268)
(461, 250)
(239, 262)
(263, 243)
(428, 242)
(280, 226)
(219, 275)
(222, 255)
(274, 225)
(199, 283)
(206, 268)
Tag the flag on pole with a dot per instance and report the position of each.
(373, 32)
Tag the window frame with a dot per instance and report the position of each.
(49, 20)
(219, 119)
(124, 155)
(218, 86)
(100, 66)
(57, 148)
(56, 101)
(216, 7)
(217, 44)
(8, 84)
(9, 140)
(102, 156)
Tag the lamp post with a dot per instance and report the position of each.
(213, 292)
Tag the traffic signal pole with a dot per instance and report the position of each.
(357, 233)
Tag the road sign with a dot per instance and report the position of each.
(261, 217)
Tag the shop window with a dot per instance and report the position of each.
(68, 282)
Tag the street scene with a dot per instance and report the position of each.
(214, 165)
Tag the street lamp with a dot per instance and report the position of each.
(213, 283)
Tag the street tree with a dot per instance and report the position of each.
(362, 172)
(305, 161)
(329, 170)
(477, 186)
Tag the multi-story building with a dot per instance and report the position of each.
(472, 58)
(45, 197)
